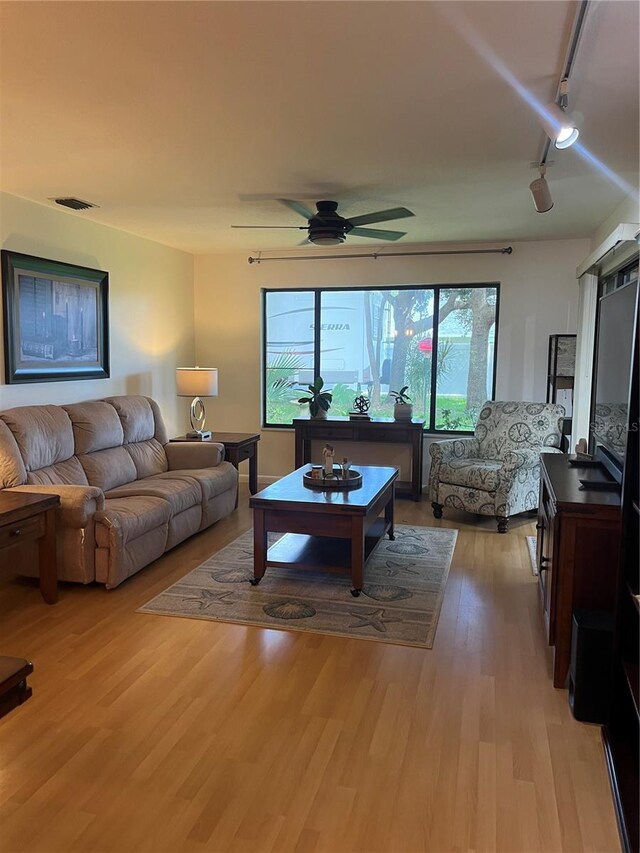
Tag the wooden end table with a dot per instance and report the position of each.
(333, 530)
(238, 446)
(27, 516)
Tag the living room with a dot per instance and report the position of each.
(179, 120)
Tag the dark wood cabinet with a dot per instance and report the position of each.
(621, 734)
(578, 546)
(380, 430)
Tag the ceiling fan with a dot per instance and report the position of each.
(327, 228)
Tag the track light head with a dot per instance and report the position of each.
(540, 192)
(559, 126)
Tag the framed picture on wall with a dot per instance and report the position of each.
(56, 320)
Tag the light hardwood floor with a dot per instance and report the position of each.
(149, 733)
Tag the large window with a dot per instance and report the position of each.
(439, 340)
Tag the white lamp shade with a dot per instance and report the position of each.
(197, 381)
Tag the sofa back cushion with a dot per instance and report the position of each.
(504, 426)
(12, 470)
(43, 434)
(144, 433)
(140, 418)
(96, 426)
(99, 439)
(67, 473)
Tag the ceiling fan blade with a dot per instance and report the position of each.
(298, 206)
(297, 227)
(377, 233)
(381, 216)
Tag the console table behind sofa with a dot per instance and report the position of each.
(383, 430)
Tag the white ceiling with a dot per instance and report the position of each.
(181, 118)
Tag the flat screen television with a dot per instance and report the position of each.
(614, 352)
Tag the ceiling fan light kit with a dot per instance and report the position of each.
(322, 238)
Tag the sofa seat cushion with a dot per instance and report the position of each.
(179, 491)
(474, 473)
(132, 516)
(213, 481)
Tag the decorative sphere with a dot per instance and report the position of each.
(362, 404)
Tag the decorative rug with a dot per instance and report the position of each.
(532, 545)
(400, 601)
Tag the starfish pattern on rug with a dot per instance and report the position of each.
(395, 569)
(374, 620)
(207, 597)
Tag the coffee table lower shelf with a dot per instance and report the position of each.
(301, 551)
(329, 553)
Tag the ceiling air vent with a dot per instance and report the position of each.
(74, 203)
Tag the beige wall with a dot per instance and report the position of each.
(538, 298)
(150, 304)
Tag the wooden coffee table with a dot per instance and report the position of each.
(334, 530)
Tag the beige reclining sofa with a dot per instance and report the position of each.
(126, 494)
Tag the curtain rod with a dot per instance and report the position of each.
(506, 250)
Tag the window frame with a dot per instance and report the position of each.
(317, 296)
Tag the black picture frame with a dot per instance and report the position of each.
(56, 320)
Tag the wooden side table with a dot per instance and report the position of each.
(238, 446)
(27, 516)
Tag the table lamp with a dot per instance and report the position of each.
(197, 382)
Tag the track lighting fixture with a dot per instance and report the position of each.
(540, 192)
(558, 126)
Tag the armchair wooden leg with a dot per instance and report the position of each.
(437, 509)
(503, 524)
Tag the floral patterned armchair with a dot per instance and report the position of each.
(497, 472)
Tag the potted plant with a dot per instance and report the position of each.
(318, 400)
(403, 408)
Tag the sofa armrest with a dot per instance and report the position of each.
(192, 454)
(442, 451)
(77, 503)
